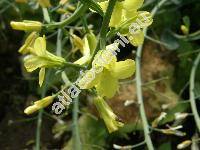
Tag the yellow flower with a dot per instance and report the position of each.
(86, 46)
(26, 25)
(106, 72)
(28, 43)
(39, 105)
(111, 120)
(39, 57)
(133, 28)
(126, 16)
(117, 14)
(123, 10)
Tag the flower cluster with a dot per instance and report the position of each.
(105, 72)
(36, 56)
(128, 20)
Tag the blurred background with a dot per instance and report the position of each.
(168, 56)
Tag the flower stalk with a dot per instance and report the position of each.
(192, 94)
(139, 85)
(80, 10)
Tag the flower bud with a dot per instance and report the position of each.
(39, 105)
(181, 116)
(158, 119)
(137, 38)
(28, 43)
(106, 113)
(184, 144)
(184, 29)
(26, 25)
(173, 132)
(78, 42)
(92, 41)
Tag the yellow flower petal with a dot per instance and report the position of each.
(78, 42)
(28, 43)
(116, 17)
(137, 38)
(123, 69)
(87, 47)
(85, 51)
(108, 85)
(41, 76)
(90, 79)
(32, 63)
(106, 113)
(130, 13)
(133, 4)
(144, 19)
(103, 5)
(40, 46)
(106, 58)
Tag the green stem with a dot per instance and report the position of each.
(139, 85)
(38, 131)
(79, 12)
(39, 121)
(130, 146)
(140, 99)
(156, 41)
(104, 29)
(76, 137)
(68, 64)
(192, 94)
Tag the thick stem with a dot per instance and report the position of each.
(192, 94)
